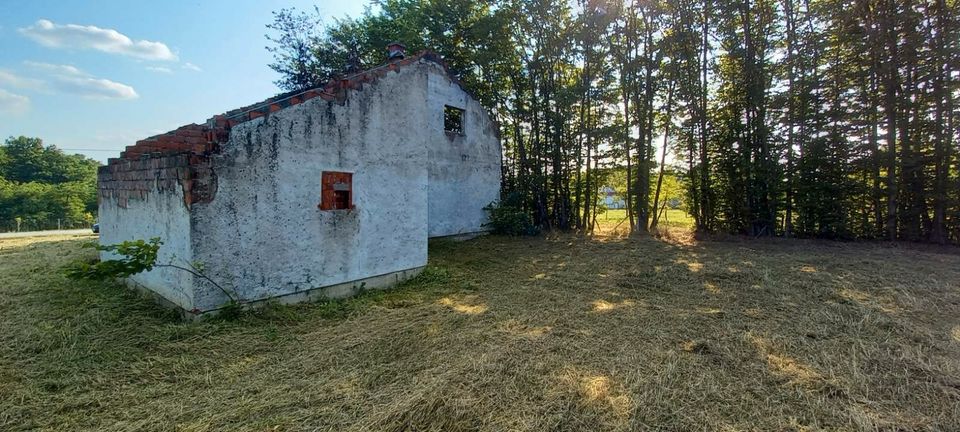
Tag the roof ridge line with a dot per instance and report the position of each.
(332, 82)
(204, 138)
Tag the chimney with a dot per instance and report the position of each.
(396, 51)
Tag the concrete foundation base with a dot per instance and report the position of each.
(338, 291)
(462, 236)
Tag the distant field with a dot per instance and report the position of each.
(615, 220)
(70, 232)
(557, 333)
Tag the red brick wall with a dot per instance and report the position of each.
(123, 180)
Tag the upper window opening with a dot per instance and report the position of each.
(453, 119)
(336, 191)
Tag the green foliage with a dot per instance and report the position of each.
(473, 37)
(26, 160)
(816, 119)
(136, 256)
(507, 218)
(43, 188)
(431, 274)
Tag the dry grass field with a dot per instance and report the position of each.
(555, 333)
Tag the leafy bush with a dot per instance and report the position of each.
(507, 218)
(136, 256)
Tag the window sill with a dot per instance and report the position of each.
(351, 208)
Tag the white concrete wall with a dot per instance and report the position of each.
(161, 214)
(263, 233)
(464, 169)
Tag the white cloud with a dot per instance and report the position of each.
(96, 88)
(111, 41)
(70, 80)
(191, 66)
(159, 69)
(11, 103)
(54, 68)
(13, 80)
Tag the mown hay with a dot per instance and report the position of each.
(560, 333)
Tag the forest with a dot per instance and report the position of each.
(43, 188)
(797, 118)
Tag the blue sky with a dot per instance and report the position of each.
(93, 77)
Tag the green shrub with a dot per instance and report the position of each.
(507, 218)
(136, 256)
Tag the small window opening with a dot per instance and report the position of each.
(336, 191)
(453, 119)
(341, 199)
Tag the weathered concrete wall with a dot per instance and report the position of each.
(148, 195)
(464, 169)
(159, 213)
(263, 233)
(240, 194)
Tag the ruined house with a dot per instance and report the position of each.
(322, 192)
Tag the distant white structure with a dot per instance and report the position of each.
(611, 199)
(317, 193)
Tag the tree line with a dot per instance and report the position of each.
(809, 118)
(43, 188)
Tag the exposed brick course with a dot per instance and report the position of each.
(134, 179)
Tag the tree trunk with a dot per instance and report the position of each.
(791, 109)
(663, 158)
(706, 204)
(938, 232)
(891, 86)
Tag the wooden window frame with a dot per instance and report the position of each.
(333, 185)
